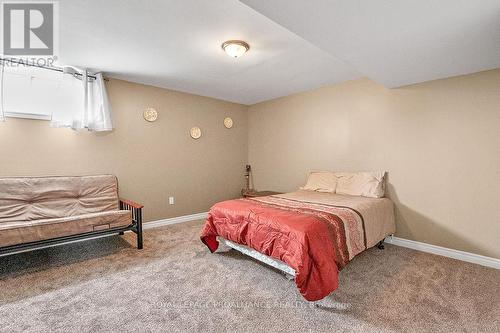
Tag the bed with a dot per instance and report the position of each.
(310, 235)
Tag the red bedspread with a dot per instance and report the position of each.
(310, 238)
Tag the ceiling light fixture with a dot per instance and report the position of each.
(235, 48)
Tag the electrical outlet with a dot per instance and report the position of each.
(171, 200)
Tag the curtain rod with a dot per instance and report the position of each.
(52, 68)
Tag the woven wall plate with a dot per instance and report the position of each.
(228, 122)
(150, 114)
(195, 132)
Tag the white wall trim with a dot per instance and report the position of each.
(174, 220)
(28, 115)
(419, 246)
(446, 252)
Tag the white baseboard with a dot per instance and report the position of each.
(446, 252)
(419, 246)
(174, 220)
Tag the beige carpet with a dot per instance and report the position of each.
(175, 284)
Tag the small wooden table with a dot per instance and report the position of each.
(253, 194)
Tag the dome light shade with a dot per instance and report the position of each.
(235, 48)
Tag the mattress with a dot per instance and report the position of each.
(315, 234)
(377, 213)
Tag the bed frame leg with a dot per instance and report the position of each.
(380, 245)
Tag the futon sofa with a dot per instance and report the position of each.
(43, 211)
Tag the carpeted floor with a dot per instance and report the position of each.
(175, 284)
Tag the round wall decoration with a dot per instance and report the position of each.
(228, 122)
(150, 114)
(195, 132)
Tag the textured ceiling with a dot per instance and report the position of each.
(295, 45)
(177, 44)
(399, 42)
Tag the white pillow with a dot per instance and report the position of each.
(366, 184)
(321, 181)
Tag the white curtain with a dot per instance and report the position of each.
(93, 111)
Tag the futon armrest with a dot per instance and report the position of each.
(136, 211)
(124, 202)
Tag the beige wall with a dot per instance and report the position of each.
(151, 160)
(439, 141)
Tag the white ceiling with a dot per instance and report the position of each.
(175, 44)
(397, 42)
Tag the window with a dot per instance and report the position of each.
(71, 98)
(36, 93)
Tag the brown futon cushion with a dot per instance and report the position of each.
(40, 208)
(35, 198)
(17, 232)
